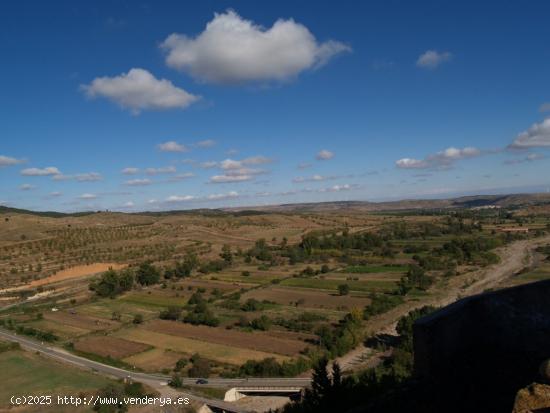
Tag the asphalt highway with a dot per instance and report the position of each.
(158, 382)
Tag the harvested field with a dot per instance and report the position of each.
(114, 347)
(218, 352)
(211, 284)
(155, 359)
(253, 341)
(332, 285)
(311, 298)
(80, 321)
(61, 330)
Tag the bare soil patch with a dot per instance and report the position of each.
(307, 298)
(253, 341)
(80, 320)
(110, 346)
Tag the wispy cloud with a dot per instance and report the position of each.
(138, 182)
(130, 171)
(431, 59)
(26, 187)
(48, 171)
(225, 179)
(87, 196)
(314, 178)
(207, 143)
(9, 161)
(172, 146)
(529, 158)
(88, 177)
(324, 155)
(181, 177)
(440, 160)
(163, 170)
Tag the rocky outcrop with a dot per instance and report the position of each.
(475, 354)
(533, 399)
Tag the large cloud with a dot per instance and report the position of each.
(139, 90)
(537, 135)
(440, 160)
(234, 50)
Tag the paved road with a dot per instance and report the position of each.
(158, 382)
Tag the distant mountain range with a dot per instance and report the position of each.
(474, 201)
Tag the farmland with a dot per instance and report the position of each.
(23, 373)
(219, 293)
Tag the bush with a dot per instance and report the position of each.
(263, 323)
(171, 313)
(380, 304)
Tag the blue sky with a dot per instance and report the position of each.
(173, 105)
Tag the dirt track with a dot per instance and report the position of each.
(513, 258)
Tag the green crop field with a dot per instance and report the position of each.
(23, 373)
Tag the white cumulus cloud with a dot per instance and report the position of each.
(139, 90)
(537, 135)
(432, 59)
(235, 50)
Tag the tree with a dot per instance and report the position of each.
(112, 283)
(200, 368)
(343, 289)
(226, 254)
(321, 383)
(147, 274)
(138, 319)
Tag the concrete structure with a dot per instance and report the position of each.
(236, 393)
